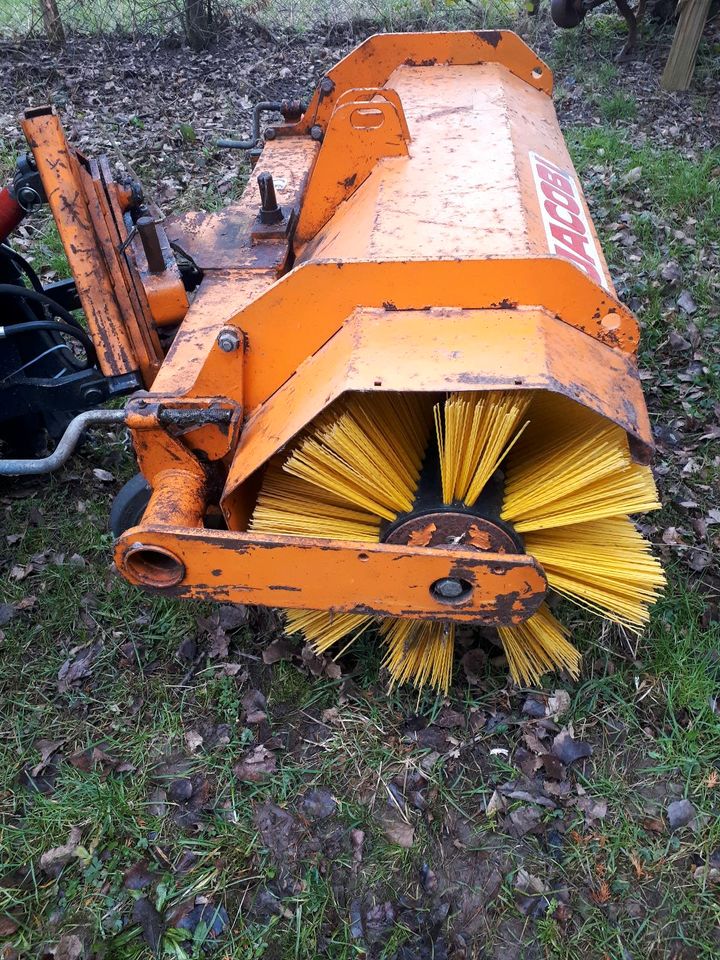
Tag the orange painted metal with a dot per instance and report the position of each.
(61, 178)
(341, 576)
(436, 238)
(320, 297)
(372, 63)
(432, 351)
(118, 321)
(172, 433)
(179, 496)
(359, 135)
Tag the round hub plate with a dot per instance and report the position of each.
(448, 529)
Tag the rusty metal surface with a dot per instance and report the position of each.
(130, 293)
(372, 63)
(171, 433)
(359, 135)
(438, 350)
(367, 94)
(466, 190)
(195, 365)
(118, 322)
(374, 578)
(179, 497)
(451, 529)
(321, 296)
(223, 240)
(60, 176)
(162, 286)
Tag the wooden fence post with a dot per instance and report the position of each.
(681, 62)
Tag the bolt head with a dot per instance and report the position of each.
(316, 132)
(326, 85)
(448, 588)
(228, 340)
(270, 133)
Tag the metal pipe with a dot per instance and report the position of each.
(269, 106)
(65, 447)
(179, 499)
(147, 228)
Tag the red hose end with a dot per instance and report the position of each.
(11, 214)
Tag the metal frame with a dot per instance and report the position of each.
(406, 252)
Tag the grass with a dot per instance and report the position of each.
(646, 706)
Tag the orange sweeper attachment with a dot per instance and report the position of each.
(390, 389)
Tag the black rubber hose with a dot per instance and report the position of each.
(24, 266)
(13, 329)
(11, 290)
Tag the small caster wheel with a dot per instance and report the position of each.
(129, 505)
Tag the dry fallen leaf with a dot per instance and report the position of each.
(193, 740)
(78, 666)
(558, 704)
(52, 861)
(256, 766)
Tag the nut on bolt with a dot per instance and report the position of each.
(448, 588)
(228, 339)
(451, 590)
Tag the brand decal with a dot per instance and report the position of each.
(566, 224)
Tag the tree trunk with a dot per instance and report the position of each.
(52, 23)
(197, 24)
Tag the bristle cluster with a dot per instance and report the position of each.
(570, 479)
(324, 629)
(605, 566)
(475, 432)
(300, 509)
(419, 651)
(563, 479)
(369, 455)
(537, 646)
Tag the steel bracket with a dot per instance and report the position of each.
(360, 133)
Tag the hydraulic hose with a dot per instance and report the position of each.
(12, 290)
(17, 329)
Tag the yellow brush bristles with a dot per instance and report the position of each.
(537, 646)
(419, 651)
(369, 455)
(475, 432)
(300, 509)
(569, 481)
(586, 474)
(605, 566)
(323, 629)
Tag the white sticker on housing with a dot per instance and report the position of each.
(566, 224)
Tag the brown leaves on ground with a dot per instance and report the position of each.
(98, 758)
(150, 921)
(53, 861)
(256, 765)
(397, 830)
(568, 750)
(254, 705)
(78, 666)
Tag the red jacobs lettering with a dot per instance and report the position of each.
(567, 228)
